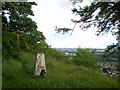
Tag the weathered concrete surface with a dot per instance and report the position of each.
(40, 67)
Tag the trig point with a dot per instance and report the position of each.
(40, 68)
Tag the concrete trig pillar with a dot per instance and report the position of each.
(40, 68)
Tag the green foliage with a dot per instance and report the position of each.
(9, 45)
(85, 57)
(34, 41)
(20, 31)
(55, 54)
(111, 51)
(20, 74)
(18, 13)
(18, 71)
(103, 15)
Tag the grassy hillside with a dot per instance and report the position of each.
(20, 74)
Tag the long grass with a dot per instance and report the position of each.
(20, 74)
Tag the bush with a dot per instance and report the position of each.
(9, 44)
(55, 54)
(86, 58)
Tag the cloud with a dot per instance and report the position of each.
(51, 13)
(64, 4)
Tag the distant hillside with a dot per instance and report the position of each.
(75, 49)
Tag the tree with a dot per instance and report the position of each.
(15, 17)
(103, 15)
(18, 30)
(18, 13)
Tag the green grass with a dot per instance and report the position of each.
(20, 74)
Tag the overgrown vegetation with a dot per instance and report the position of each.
(85, 57)
(21, 42)
(19, 31)
(20, 74)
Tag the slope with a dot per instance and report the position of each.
(20, 74)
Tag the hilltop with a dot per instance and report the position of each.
(60, 74)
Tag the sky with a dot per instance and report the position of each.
(51, 13)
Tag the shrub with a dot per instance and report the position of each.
(86, 58)
(9, 44)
